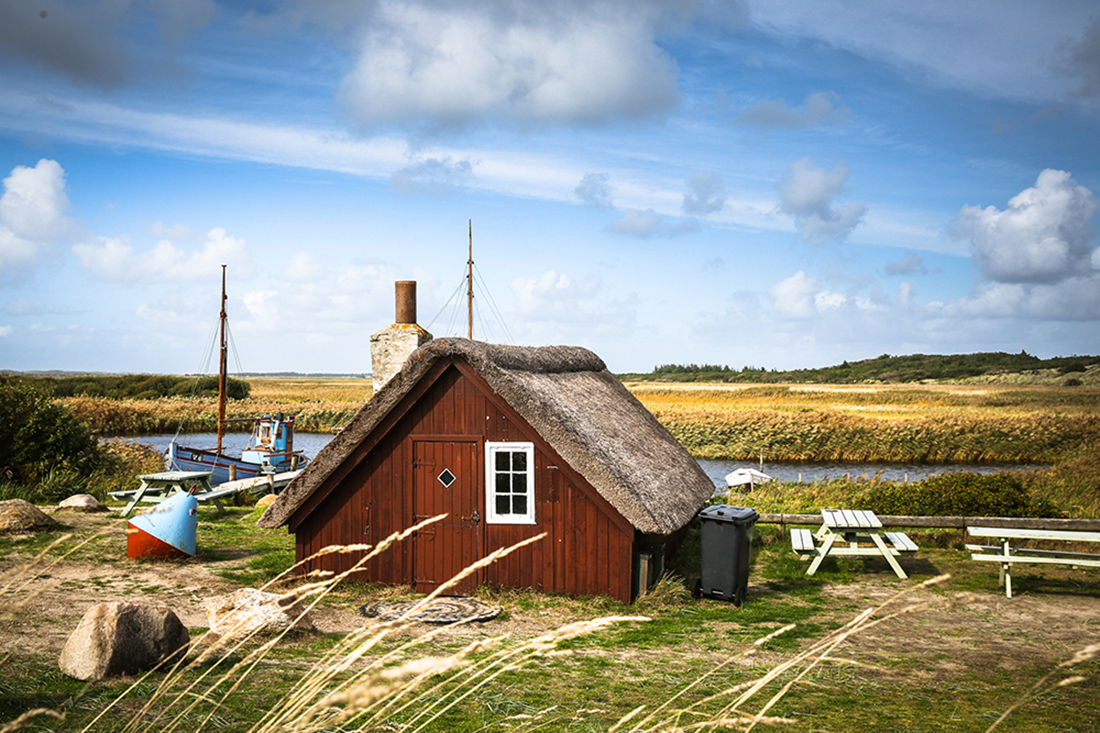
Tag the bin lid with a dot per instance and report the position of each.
(726, 513)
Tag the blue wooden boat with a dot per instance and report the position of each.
(270, 449)
(167, 531)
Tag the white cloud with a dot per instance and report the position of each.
(706, 195)
(303, 267)
(986, 46)
(114, 260)
(552, 292)
(5, 331)
(175, 232)
(441, 65)
(806, 192)
(33, 214)
(648, 223)
(794, 296)
(908, 265)
(1042, 237)
(433, 176)
(595, 190)
(817, 109)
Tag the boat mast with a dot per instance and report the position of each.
(223, 363)
(470, 286)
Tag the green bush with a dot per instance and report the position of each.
(958, 494)
(42, 445)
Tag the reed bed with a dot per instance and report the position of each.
(880, 423)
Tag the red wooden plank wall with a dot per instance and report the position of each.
(587, 551)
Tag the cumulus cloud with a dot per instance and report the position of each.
(648, 224)
(428, 64)
(806, 192)
(89, 42)
(1043, 236)
(433, 176)
(115, 260)
(595, 190)
(552, 292)
(33, 215)
(817, 109)
(799, 297)
(706, 195)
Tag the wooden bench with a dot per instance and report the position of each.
(901, 542)
(1012, 549)
(802, 540)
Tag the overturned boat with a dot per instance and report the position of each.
(169, 530)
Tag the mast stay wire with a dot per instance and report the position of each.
(495, 311)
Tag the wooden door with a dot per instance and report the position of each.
(447, 480)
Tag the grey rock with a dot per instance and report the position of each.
(120, 637)
(250, 611)
(19, 515)
(82, 503)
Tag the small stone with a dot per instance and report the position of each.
(19, 515)
(250, 611)
(82, 503)
(119, 638)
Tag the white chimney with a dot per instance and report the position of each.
(392, 345)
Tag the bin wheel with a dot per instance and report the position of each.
(739, 597)
(697, 589)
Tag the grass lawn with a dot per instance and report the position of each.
(952, 656)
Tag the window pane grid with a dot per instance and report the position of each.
(511, 483)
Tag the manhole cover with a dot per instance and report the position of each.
(440, 611)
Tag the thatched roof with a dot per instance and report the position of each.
(570, 398)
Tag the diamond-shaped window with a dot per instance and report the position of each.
(447, 478)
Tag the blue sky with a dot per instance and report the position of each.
(776, 185)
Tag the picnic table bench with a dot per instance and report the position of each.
(156, 487)
(1012, 548)
(861, 531)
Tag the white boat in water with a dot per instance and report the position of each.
(749, 476)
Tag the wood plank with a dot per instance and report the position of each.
(1034, 534)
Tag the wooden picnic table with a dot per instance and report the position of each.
(156, 487)
(851, 532)
(1012, 547)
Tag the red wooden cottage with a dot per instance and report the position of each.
(509, 442)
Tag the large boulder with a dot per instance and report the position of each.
(250, 611)
(82, 503)
(19, 515)
(120, 637)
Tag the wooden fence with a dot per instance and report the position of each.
(1087, 525)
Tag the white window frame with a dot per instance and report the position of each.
(491, 450)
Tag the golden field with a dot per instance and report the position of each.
(899, 423)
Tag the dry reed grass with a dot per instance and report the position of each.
(360, 686)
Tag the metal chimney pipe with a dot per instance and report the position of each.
(405, 291)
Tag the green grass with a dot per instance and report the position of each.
(694, 650)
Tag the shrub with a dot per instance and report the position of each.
(42, 445)
(958, 494)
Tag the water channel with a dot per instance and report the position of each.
(311, 443)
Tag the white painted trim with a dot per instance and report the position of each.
(491, 450)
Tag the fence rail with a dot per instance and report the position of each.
(1087, 525)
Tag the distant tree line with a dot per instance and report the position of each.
(885, 368)
(133, 386)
